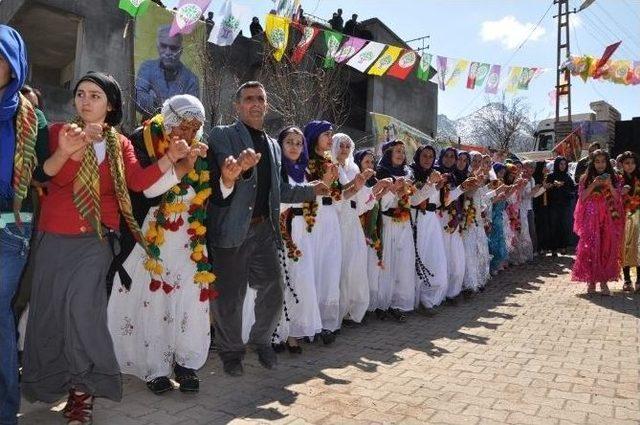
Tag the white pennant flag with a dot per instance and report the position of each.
(228, 23)
(365, 57)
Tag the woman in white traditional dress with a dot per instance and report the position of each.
(450, 216)
(160, 324)
(357, 200)
(527, 192)
(474, 236)
(397, 288)
(324, 226)
(301, 313)
(371, 222)
(431, 259)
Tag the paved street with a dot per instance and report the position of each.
(531, 349)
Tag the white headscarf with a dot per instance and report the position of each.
(350, 170)
(179, 108)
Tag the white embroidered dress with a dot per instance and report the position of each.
(152, 330)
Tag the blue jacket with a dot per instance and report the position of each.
(228, 219)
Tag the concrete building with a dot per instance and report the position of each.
(67, 38)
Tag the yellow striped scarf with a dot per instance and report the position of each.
(25, 159)
(86, 187)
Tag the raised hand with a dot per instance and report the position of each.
(71, 140)
(320, 188)
(330, 174)
(230, 170)
(435, 177)
(248, 159)
(178, 149)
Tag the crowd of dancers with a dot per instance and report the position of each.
(148, 249)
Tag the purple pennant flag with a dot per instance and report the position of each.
(187, 15)
(349, 48)
(441, 67)
(493, 80)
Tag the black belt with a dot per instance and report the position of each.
(327, 200)
(353, 204)
(429, 207)
(390, 212)
(297, 211)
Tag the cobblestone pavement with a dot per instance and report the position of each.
(530, 349)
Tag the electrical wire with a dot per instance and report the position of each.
(618, 25)
(589, 80)
(475, 98)
(631, 9)
(602, 36)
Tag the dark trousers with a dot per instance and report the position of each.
(532, 230)
(560, 227)
(254, 263)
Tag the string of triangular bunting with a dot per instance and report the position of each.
(378, 59)
(366, 56)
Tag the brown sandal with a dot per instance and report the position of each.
(604, 290)
(591, 288)
(79, 408)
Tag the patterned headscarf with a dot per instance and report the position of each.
(180, 108)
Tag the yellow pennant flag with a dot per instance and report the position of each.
(385, 61)
(277, 32)
(461, 66)
(514, 77)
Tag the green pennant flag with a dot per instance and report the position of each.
(333, 40)
(134, 7)
(424, 72)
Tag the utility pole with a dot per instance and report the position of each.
(563, 76)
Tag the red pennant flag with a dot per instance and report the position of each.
(308, 35)
(597, 73)
(403, 66)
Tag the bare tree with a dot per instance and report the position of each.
(504, 125)
(299, 93)
(218, 74)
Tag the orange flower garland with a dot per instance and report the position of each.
(168, 217)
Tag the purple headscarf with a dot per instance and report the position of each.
(296, 169)
(312, 131)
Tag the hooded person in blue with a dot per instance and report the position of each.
(18, 133)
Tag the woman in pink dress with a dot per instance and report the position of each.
(599, 222)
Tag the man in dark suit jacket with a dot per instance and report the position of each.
(243, 227)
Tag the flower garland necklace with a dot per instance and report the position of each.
(168, 217)
(470, 214)
(610, 201)
(315, 171)
(402, 213)
(632, 199)
(293, 252)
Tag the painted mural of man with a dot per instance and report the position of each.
(159, 79)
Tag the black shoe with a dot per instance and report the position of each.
(452, 301)
(397, 315)
(267, 357)
(187, 378)
(233, 367)
(294, 349)
(381, 314)
(328, 337)
(279, 347)
(160, 385)
(627, 287)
